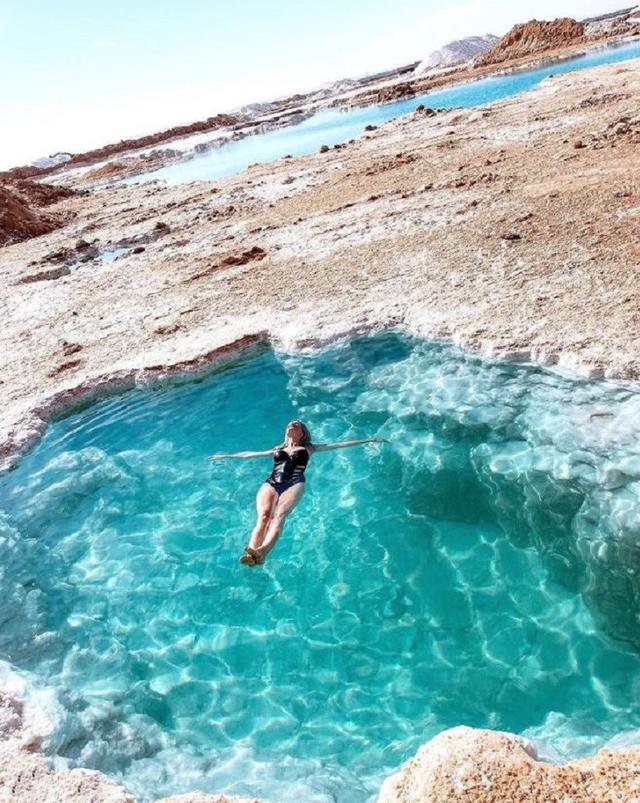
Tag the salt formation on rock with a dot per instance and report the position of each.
(457, 52)
(531, 38)
(462, 765)
(25, 726)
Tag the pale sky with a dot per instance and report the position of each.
(78, 74)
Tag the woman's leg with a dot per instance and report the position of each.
(286, 502)
(266, 499)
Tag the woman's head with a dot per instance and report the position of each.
(297, 433)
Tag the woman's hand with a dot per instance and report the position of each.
(378, 440)
(217, 457)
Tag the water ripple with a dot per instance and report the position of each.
(480, 569)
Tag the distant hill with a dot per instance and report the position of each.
(622, 12)
(54, 159)
(531, 38)
(457, 52)
(618, 23)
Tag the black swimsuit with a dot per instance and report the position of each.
(288, 469)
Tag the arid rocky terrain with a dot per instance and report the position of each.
(525, 46)
(512, 229)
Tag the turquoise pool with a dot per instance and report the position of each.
(479, 569)
(332, 126)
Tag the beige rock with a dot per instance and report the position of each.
(27, 778)
(464, 765)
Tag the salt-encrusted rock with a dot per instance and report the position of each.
(465, 765)
(25, 778)
(27, 722)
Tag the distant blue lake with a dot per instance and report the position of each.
(334, 126)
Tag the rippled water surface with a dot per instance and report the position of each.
(480, 569)
(332, 126)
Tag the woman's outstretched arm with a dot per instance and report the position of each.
(268, 453)
(325, 447)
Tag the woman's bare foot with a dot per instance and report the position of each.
(252, 557)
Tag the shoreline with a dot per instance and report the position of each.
(494, 766)
(230, 260)
(463, 74)
(153, 152)
(200, 365)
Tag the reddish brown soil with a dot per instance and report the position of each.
(532, 38)
(20, 215)
(42, 194)
(17, 221)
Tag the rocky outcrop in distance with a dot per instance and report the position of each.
(465, 765)
(457, 52)
(53, 160)
(452, 64)
(107, 151)
(534, 37)
(622, 23)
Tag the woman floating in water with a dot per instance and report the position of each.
(284, 487)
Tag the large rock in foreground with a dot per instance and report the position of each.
(464, 765)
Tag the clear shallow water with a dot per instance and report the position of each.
(332, 126)
(467, 573)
